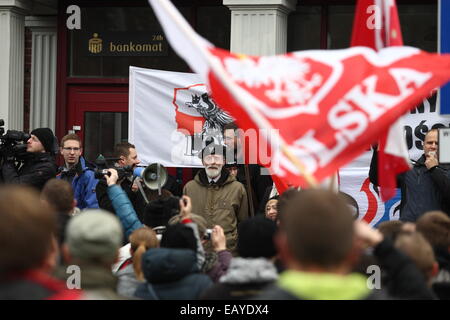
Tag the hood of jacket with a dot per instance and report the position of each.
(245, 270)
(224, 179)
(166, 265)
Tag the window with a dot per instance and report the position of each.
(111, 25)
(329, 26)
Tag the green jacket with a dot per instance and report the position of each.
(97, 282)
(223, 204)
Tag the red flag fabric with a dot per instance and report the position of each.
(377, 25)
(325, 106)
(334, 118)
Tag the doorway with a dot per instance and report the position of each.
(99, 116)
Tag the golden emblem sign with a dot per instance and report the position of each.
(95, 44)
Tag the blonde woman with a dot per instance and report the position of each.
(130, 272)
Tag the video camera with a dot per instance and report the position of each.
(103, 164)
(13, 143)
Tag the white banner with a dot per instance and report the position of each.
(170, 115)
(162, 114)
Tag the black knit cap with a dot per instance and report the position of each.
(255, 238)
(46, 137)
(179, 236)
(158, 212)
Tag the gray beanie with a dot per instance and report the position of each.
(94, 234)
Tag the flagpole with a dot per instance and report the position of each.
(237, 93)
(299, 165)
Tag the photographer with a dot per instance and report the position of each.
(127, 158)
(38, 165)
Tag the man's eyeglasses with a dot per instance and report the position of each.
(71, 149)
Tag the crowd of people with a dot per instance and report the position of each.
(227, 234)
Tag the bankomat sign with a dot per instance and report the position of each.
(125, 44)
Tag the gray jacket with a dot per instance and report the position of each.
(127, 282)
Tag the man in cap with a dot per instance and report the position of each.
(92, 243)
(39, 165)
(216, 195)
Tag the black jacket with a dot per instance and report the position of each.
(37, 169)
(422, 190)
(136, 198)
(403, 279)
(259, 183)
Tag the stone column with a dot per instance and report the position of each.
(43, 71)
(12, 43)
(259, 27)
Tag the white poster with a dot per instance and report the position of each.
(170, 117)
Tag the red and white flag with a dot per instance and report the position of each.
(376, 25)
(326, 105)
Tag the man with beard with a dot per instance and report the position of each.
(216, 195)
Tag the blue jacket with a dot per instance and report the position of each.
(172, 274)
(83, 185)
(124, 209)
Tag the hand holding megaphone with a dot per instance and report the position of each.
(154, 176)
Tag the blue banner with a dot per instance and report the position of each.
(444, 40)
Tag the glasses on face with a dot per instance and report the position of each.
(71, 149)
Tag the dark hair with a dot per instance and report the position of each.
(283, 201)
(26, 229)
(230, 125)
(158, 212)
(59, 194)
(179, 236)
(415, 246)
(319, 228)
(352, 203)
(123, 149)
(391, 229)
(255, 238)
(435, 227)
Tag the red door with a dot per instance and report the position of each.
(99, 115)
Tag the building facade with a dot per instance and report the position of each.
(64, 64)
